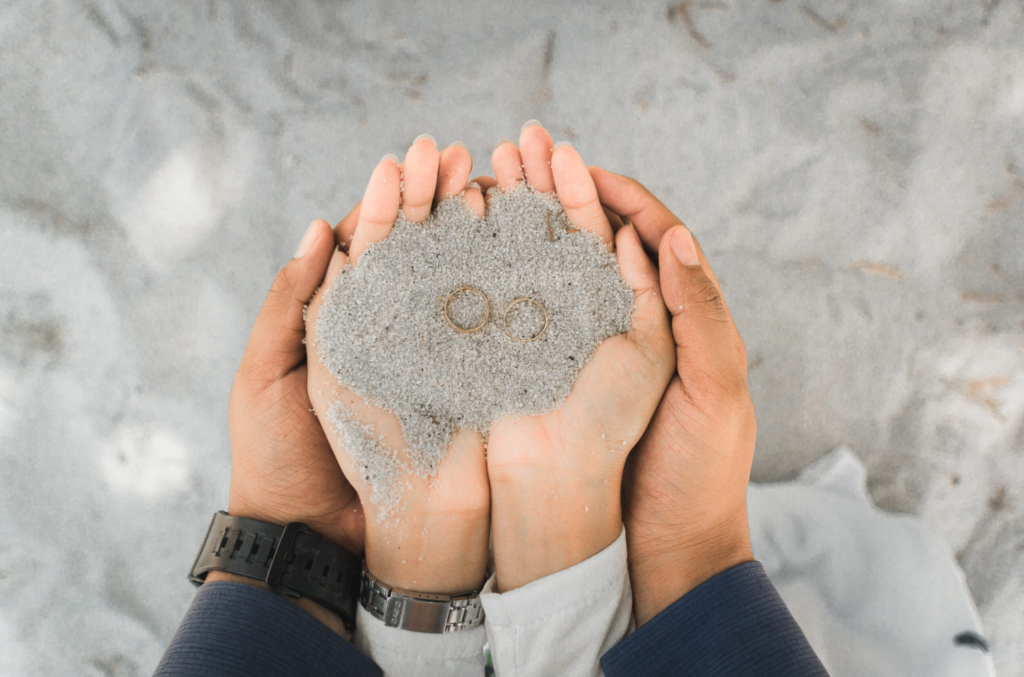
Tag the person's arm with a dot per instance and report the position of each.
(283, 470)
(433, 541)
(562, 623)
(702, 605)
(734, 624)
(238, 630)
(555, 477)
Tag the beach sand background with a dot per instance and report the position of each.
(854, 171)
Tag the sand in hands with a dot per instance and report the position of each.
(382, 330)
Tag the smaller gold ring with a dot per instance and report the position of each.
(524, 299)
(463, 330)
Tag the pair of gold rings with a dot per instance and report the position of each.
(487, 315)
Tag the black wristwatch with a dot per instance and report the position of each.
(292, 560)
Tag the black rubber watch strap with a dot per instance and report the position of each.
(292, 560)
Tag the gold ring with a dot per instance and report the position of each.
(469, 290)
(524, 299)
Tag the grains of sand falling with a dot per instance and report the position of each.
(380, 465)
(459, 321)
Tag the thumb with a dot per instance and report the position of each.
(705, 336)
(276, 344)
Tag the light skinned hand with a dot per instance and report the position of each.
(282, 467)
(555, 478)
(685, 488)
(436, 541)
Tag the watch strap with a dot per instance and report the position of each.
(292, 560)
(420, 612)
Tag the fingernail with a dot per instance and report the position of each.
(425, 136)
(528, 124)
(563, 144)
(502, 140)
(308, 240)
(684, 248)
(390, 156)
(459, 144)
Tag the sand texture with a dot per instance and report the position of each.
(382, 331)
(854, 171)
(382, 469)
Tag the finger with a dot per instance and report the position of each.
(535, 148)
(346, 228)
(339, 260)
(650, 326)
(705, 336)
(485, 182)
(275, 346)
(652, 219)
(419, 178)
(507, 164)
(379, 208)
(631, 199)
(577, 193)
(453, 171)
(614, 220)
(475, 199)
(488, 186)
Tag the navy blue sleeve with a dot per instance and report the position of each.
(733, 625)
(237, 630)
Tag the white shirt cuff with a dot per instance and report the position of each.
(407, 653)
(563, 623)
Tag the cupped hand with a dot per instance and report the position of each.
(555, 478)
(435, 541)
(282, 467)
(685, 486)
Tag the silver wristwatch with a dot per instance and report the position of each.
(417, 611)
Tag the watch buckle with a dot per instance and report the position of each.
(283, 554)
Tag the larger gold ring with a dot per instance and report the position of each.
(468, 290)
(524, 299)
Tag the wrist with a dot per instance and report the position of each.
(438, 554)
(542, 525)
(317, 611)
(664, 565)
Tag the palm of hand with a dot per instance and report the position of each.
(617, 391)
(435, 539)
(702, 434)
(282, 455)
(459, 487)
(601, 419)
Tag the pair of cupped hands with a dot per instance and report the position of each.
(657, 433)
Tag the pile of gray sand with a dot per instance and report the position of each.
(383, 333)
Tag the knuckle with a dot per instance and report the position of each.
(282, 286)
(581, 202)
(707, 301)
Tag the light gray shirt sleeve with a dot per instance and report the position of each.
(563, 623)
(403, 653)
